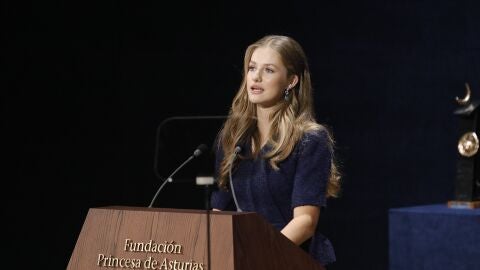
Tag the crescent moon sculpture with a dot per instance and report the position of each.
(466, 99)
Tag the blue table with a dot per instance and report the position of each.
(434, 237)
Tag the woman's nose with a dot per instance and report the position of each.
(257, 76)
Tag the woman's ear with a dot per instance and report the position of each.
(293, 81)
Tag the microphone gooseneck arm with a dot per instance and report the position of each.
(200, 150)
(169, 179)
(237, 150)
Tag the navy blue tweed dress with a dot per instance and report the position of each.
(301, 180)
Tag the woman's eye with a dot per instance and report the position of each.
(251, 68)
(269, 70)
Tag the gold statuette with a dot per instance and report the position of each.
(468, 144)
(466, 99)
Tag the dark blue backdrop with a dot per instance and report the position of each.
(85, 86)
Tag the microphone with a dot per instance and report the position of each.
(198, 151)
(237, 151)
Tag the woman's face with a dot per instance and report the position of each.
(266, 77)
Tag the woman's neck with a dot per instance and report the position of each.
(263, 124)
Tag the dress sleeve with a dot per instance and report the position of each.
(221, 199)
(312, 170)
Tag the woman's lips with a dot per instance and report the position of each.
(256, 90)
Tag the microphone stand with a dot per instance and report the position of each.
(207, 206)
(207, 181)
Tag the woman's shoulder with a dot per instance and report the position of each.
(317, 133)
(316, 138)
(315, 142)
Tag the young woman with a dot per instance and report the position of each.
(285, 170)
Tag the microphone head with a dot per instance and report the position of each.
(237, 150)
(200, 150)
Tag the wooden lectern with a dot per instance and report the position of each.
(154, 238)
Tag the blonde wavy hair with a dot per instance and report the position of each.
(290, 118)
